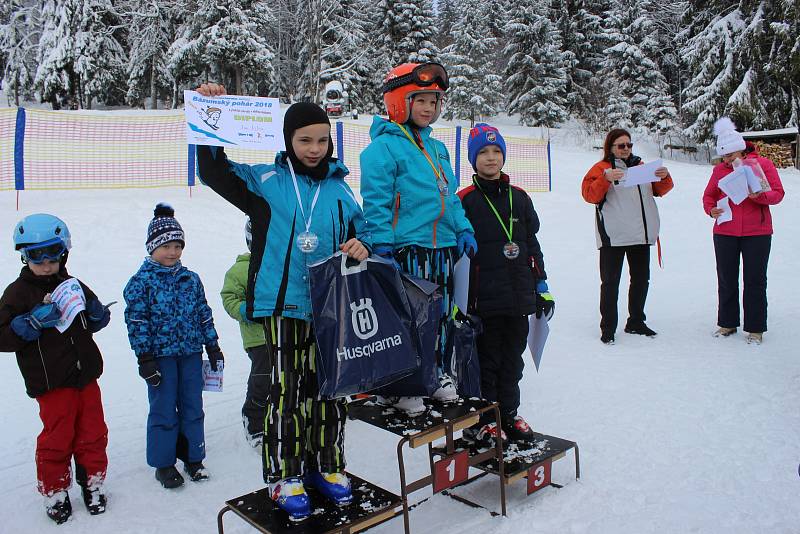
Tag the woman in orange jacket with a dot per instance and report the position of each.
(627, 225)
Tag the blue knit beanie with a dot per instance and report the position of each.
(163, 228)
(480, 136)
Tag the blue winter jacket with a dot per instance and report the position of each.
(277, 281)
(402, 202)
(166, 311)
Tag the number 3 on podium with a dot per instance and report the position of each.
(539, 476)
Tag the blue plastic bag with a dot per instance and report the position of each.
(463, 364)
(426, 306)
(363, 325)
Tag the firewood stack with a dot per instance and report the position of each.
(779, 153)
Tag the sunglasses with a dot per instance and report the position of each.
(423, 75)
(51, 249)
(623, 146)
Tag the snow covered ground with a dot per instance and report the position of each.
(679, 434)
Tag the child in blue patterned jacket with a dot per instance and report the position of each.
(169, 321)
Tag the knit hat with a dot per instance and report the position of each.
(483, 135)
(163, 228)
(728, 139)
(299, 115)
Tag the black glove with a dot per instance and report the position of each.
(148, 369)
(215, 357)
(97, 315)
(545, 304)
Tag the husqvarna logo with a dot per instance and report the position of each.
(364, 319)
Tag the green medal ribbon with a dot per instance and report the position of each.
(510, 230)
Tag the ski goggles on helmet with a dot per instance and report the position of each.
(51, 249)
(423, 75)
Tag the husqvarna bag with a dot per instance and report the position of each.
(363, 325)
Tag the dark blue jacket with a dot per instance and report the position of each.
(166, 311)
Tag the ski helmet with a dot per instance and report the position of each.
(39, 228)
(248, 234)
(406, 80)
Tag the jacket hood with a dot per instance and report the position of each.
(152, 265)
(243, 258)
(382, 126)
(336, 169)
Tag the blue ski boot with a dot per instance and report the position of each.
(291, 497)
(334, 486)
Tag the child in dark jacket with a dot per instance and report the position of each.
(60, 364)
(169, 321)
(508, 280)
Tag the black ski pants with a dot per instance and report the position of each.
(754, 251)
(611, 259)
(500, 349)
(254, 409)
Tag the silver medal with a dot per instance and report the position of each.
(511, 250)
(307, 242)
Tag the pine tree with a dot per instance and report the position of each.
(406, 31)
(535, 74)
(55, 80)
(475, 89)
(447, 15)
(17, 49)
(99, 58)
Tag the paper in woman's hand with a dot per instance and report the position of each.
(642, 174)
(725, 205)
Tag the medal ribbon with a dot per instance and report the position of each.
(300, 201)
(437, 172)
(510, 230)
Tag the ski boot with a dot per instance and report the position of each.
(169, 477)
(518, 429)
(196, 470)
(94, 498)
(59, 509)
(484, 436)
(334, 486)
(291, 497)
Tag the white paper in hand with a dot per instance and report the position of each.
(538, 330)
(461, 283)
(642, 174)
(70, 301)
(735, 186)
(212, 380)
(725, 205)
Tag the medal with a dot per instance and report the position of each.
(307, 242)
(442, 185)
(511, 250)
(441, 179)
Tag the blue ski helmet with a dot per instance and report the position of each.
(41, 227)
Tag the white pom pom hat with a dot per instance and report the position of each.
(728, 139)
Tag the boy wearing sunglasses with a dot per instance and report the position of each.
(409, 191)
(60, 369)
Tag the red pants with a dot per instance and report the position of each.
(73, 426)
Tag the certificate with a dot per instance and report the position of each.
(70, 301)
(242, 121)
(642, 174)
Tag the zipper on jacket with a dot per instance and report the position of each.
(438, 217)
(644, 216)
(396, 210)
(44, 367)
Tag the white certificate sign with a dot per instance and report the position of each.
(642, 174)
(735, 185)
(725, 205)
(242, 121)
(70, 300)
(212, 380)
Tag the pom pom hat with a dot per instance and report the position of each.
(728, 139)
(484, 135)
(409, 79)
(163, 228)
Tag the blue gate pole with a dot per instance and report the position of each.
(458, 154)
(340, 140)
(19, 153)
(549, 169)
(191, 164)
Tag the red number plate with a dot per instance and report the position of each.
(539, 476)
(450, 471)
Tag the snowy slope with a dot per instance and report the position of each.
(682, 433)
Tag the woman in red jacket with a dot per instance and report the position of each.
(748, 234)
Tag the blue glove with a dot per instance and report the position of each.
(97, 315)
(386, 252)
(29, 326)
(467, 244)
(545, 304)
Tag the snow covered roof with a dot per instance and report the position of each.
(783, 132)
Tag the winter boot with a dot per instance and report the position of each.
(411, 405)
(484, 436)
(640, 329)
(334, 486)
(169, 477)
(291, 497)
(197, 471)
(607, 339)
(447, 390)
(517, 429)
(724, 331)
(94, 498)
(755, 338)
(59, 509)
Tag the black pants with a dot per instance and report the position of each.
(254, 409)
(500, 349)
(754, 251)
(610, 273)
